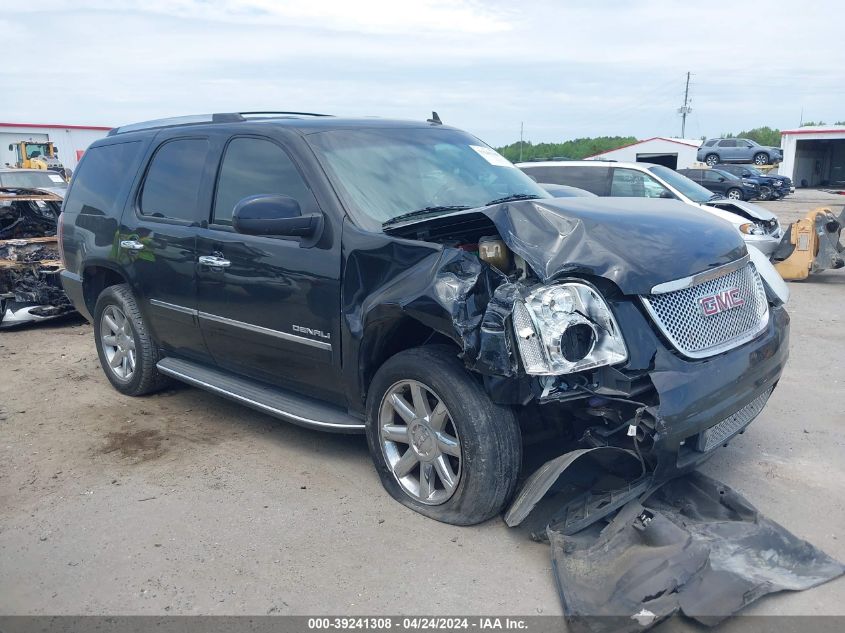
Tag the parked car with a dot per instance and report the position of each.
(772, 187)
(737, 150)
(564, 191)
(269, 260)
(33, 179)
(759, 228)
(723, 183)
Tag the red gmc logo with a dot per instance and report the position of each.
(726, 299)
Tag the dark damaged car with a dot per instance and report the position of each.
(404, 280)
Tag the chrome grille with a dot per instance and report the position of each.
(679, 316)
(730, 426)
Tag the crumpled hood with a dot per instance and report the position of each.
(746, 209)
(636, 243)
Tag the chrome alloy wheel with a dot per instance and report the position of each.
(420, 442)
(118, 342)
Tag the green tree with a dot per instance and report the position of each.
(576, 148)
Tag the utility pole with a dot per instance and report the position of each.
(685, 110)
(521, 129)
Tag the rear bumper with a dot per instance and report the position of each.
(695, 396)
(72, 284)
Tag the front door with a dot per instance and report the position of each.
(269, 307)
(157, 242)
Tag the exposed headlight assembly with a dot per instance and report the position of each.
(565, 328)
(752, 229)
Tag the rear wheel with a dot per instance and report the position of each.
(127, 352)
(711, 160)
(440, 445)
(761, 158)
(735, 194)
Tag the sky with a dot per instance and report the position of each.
(563, 69)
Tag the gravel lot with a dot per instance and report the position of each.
(185, 503)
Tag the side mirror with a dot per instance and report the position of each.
(274, 214)
(667, 194)
(721, 179)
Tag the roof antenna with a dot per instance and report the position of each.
(435, 119)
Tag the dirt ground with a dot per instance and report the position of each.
(185, 503)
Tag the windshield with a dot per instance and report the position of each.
(34, 150)
(31, 179)
(687, 187)
(389, 172)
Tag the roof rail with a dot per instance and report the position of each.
(197, 119)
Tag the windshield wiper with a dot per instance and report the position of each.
(435, 210)
(513, 198)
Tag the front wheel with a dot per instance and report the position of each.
(761, 158)
(735, 194)
(766, 193)
(440, 445)
(711, 160)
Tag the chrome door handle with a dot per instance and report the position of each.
(131, 245)
(213, 261)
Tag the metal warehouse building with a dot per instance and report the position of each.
(814, 156)
(675, 153)
(70, 140)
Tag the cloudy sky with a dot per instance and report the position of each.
(564, 68)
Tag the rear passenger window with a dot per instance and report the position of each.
(254, 166)
(172, 186)
(101, 176)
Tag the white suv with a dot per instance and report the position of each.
(759, 227)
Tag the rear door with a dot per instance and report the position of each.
(727, 149)
(271, 311)
(157, 239)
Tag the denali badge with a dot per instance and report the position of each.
(726, 299)
(308, 330)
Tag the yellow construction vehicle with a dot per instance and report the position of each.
(37, 155)
(811, 245)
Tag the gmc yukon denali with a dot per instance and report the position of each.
(404, 280)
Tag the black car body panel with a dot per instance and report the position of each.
(319, 317)
(780, 185)
(722, 182)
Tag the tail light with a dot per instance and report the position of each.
(60, 226)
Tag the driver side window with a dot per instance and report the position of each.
(254, 166)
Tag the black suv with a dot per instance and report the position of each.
(723, 183)
(403, 279)
(771, 187)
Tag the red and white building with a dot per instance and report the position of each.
(814, 155)
(70, 140)
(675, 153)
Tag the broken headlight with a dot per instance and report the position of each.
(566, 328)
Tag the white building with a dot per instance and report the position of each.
(70, 141)
(814, 155)
(675, 153)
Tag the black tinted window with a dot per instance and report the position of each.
(172, 185)
(710, 143)
(592, 179)
(104, 173)
(730, 143)
(252, 166)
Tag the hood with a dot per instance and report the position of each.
(744, 209)
(636, 243)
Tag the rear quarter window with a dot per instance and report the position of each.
(592, 179)
(101, 182)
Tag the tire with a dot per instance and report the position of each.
(488, 438)
(734, 194)
(711, 159)
(766, 193)
(134, 338)
(761, 158)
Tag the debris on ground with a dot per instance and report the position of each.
(693, 547)
(30, 263)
